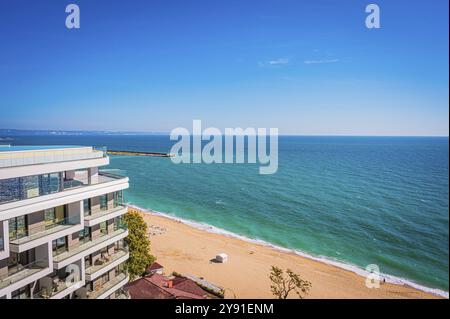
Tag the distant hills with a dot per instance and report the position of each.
(5, 133)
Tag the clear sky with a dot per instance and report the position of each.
(306, 67)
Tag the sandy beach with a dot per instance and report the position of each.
(188, 250)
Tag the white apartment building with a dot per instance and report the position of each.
(61, 224)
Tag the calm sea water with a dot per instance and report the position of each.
(358, 200)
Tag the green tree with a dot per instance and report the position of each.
(138, 243)
(282, 285)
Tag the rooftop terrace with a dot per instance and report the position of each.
(21, 155)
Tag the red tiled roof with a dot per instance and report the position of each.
(155, 287)
(154, 266)
(142, 289)
(188, 285)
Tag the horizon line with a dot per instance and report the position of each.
(123, 132)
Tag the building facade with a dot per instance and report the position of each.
(61, 224)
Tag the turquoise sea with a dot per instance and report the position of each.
(352, 200)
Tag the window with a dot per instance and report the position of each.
(54, 216)
(49, 183)
(13, 189)
(118, 223)
(22, 293)
(9, 190)
(104, 228)
(87, 261)
(29, 186)
(59, 245)
(104, 202)
(18, 227)
(118, 198)
(87, 207)
(84, 235)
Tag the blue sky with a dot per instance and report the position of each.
(306, 67)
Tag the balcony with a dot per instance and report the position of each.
(56, 287)
(27, 236)
(109, 287)
(122, 294)
(13, 190)
(106, 263)
(21, 272)
(91, 246)
(103, 215)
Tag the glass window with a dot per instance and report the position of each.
(18, 227)
(104, 228)
(54, 216)
(29, 186)
(49, 183)
(9, 190)
(84, 235)
(104, 202)
(118, 198)
(87, 261)
(87, 207)
(59, 245)
(22, 293)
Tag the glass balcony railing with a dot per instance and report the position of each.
(20, 272)
(90, 215)
(57, 285)
(122, 294)
(59, 256)
(118, 279)
(21, 188)
(26, 235)
(106, 260)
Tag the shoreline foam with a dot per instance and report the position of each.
(322, 259)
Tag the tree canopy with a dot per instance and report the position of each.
(283, 285)
(138, 243)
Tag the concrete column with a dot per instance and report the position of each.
(95, 231)
(112, 274)
(93, 175)
(110, 226)
(70, 174)
(74, 211)
(36, 222)
(110, 200)
(95, 205)
(41, 253)
(111, 249)
(73, 241)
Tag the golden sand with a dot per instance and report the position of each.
(188, 250)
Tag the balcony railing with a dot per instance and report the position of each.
(58, 285)
(20, 272)
(107, 260)
(59, 256)
(118, 279)
(12, 190)
(23, 236)
(122, 294)
(90, 215)
(48, 155)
